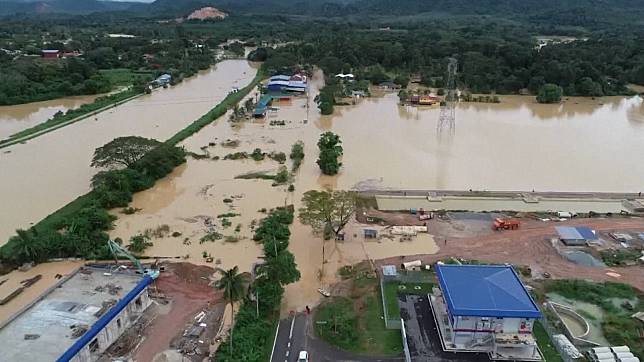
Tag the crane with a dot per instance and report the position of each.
(117, 250)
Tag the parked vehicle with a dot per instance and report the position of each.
(303, 357)
(505, 224)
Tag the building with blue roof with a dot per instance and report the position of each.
(295, 83)
(485, 308)
(576, 235)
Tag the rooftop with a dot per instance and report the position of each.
(575, 233)
(485, 291)
(48, 323)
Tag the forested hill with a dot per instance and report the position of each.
(8, 7)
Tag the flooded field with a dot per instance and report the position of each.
(49, 171)
(581, 145)
(22, 116)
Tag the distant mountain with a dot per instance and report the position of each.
(8, 7)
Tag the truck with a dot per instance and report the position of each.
(505, 224)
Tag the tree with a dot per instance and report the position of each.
(330, 210)
(330, 150)
(549, 93)
(232, 283)
(123, 151)
(28, 245)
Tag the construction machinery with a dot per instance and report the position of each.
(505, 224)
(117, 250)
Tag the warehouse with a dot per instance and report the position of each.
(485, 308)
(78, 318)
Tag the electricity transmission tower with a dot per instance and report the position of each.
(447, 116)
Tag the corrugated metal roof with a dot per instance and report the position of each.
(575, 233)
(485, 291)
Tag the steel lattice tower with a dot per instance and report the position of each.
(447, 116)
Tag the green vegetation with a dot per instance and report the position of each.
(138, 243)
(620, 257)
(330, 150)
(123, 151)
(354, 323)
(254, 328)
(549, 93)
(257, 155)
(326, 99)
(545, 345)
(211, 236)
(327, 212)
(227, 215)
(232, 283)
(277, 156)
(297, 154)
(618, 327)
(391, 300)
(126, 77)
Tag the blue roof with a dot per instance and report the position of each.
(485, 291)
(575, 233)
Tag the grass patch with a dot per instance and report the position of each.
(620, 257)
(545, 345)
(391, 300)
(124, 76)
(618, 327)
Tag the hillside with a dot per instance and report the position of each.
(8, 7)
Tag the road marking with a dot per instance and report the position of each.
(287, 351)
(290, 335)
(277, 330)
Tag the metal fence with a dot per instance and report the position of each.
(403, 334)
(551, 331)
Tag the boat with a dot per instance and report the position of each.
(324, 292)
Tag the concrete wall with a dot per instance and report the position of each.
(114, 329)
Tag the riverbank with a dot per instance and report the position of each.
(71, 116)
(61, 160)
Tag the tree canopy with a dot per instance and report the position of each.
(330, 150)
(123, 151)
(549, 93)
(327, 211)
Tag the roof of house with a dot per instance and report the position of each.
(51, 51)
(280, 77)
(575, 233)
(485, 291)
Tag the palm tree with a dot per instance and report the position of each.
(232, 283)
(29, 247)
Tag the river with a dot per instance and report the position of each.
(16, 118)
(51, 170)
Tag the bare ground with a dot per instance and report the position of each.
(531, 246)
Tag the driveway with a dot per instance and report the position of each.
(422, 335)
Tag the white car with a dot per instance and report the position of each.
(304, 357)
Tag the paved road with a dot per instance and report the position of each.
(422, 336)
(295, 334)
(290, 339)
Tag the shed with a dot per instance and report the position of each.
(485, 291)
(389, 270)
(370, 233)
(579, 235)
(412, 265)
(50, 53)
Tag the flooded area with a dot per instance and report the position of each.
(581, 145)
(12, 281)
(18, 117)
(585, 311)
(51, 170)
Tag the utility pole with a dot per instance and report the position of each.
(447, 118)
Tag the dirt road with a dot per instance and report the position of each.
(186, 285)
(531, 246)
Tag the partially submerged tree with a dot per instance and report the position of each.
(327, 211)
(330, 150)
(232, 283)
(123, 151)
(549, 93)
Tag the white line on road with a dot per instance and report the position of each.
(290, 334)
(275, 340)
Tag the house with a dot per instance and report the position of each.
(485, 308)
(576, 236)
(427, 100)
(388, 85)
(262, 106)
(51, 53)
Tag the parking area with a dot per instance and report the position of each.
(422, 335)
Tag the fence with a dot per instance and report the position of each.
(552, 330)
(391, 322)
(403, 334)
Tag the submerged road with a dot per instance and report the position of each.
(44, 174)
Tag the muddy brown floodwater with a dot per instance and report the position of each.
(22, 116)
(580, 145)
(51, 170)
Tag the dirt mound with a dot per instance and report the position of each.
(191, 273)
(207, 12)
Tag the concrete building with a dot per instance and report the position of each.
(50, 53)
(485, 308)
(77, 319)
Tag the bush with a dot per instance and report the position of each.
(549, 93)
(330, 150)
(297, 154)
(138, 243)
